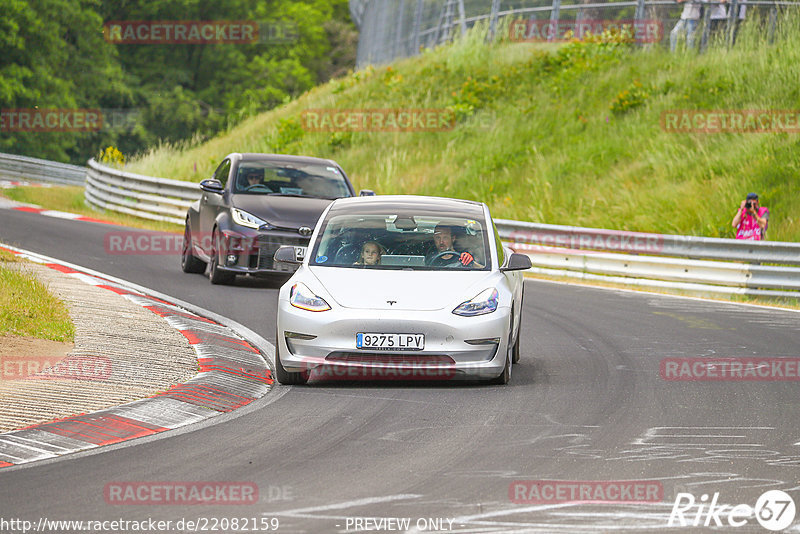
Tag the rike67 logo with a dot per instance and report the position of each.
(774, 510)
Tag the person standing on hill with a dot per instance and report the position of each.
(751, 220)
(690, 18)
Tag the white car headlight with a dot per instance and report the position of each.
(247, 219)
(302, 297)
(484, 302)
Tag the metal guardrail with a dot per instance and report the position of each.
(712, 265)
(706, 264)
(159, 199)
(713, 248)
(13, 167)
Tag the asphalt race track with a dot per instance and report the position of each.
(586, 403)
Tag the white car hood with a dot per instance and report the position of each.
(408, 290)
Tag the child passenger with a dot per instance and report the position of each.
(371, 252)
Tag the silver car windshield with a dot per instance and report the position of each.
(296, 180)
(397, 241)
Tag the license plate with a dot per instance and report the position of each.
(300, 253)
(376, 341)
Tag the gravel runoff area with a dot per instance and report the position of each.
(134, 353)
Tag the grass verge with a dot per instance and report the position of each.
(568, 134)
(27, 308)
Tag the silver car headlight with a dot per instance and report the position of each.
(247, 219)
(483, 303)
(305, 299)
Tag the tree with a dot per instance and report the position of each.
(53, 54)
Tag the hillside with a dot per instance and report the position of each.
(562, 134)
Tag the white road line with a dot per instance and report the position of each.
(60, 214)
(346, 504)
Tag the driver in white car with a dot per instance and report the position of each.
(443, 240)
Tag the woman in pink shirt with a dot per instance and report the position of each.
(751, 220)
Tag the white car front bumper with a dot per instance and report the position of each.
(455, 346)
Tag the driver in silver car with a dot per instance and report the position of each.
(443, 240)
(253, 177)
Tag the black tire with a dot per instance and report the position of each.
(285, 377)
(216, 275)
(505, 376)
(517, 353)
(189, 262)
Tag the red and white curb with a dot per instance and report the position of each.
(233, 373)
(8, 184)
(32, 208)
(59, 214)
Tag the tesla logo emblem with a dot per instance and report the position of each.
(391, 302)
(305, 230)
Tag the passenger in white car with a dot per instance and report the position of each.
(371, 252)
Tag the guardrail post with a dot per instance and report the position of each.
(417, 23)
(554, 14)
(639, 16)
(773, 18)
(706, 29)
(731, 28)
(366, 45)
(463, 17)
(401, 12)
(384, 53)
(493, 20)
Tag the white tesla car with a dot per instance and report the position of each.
(401, 288)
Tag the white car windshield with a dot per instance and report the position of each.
(408, 240)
